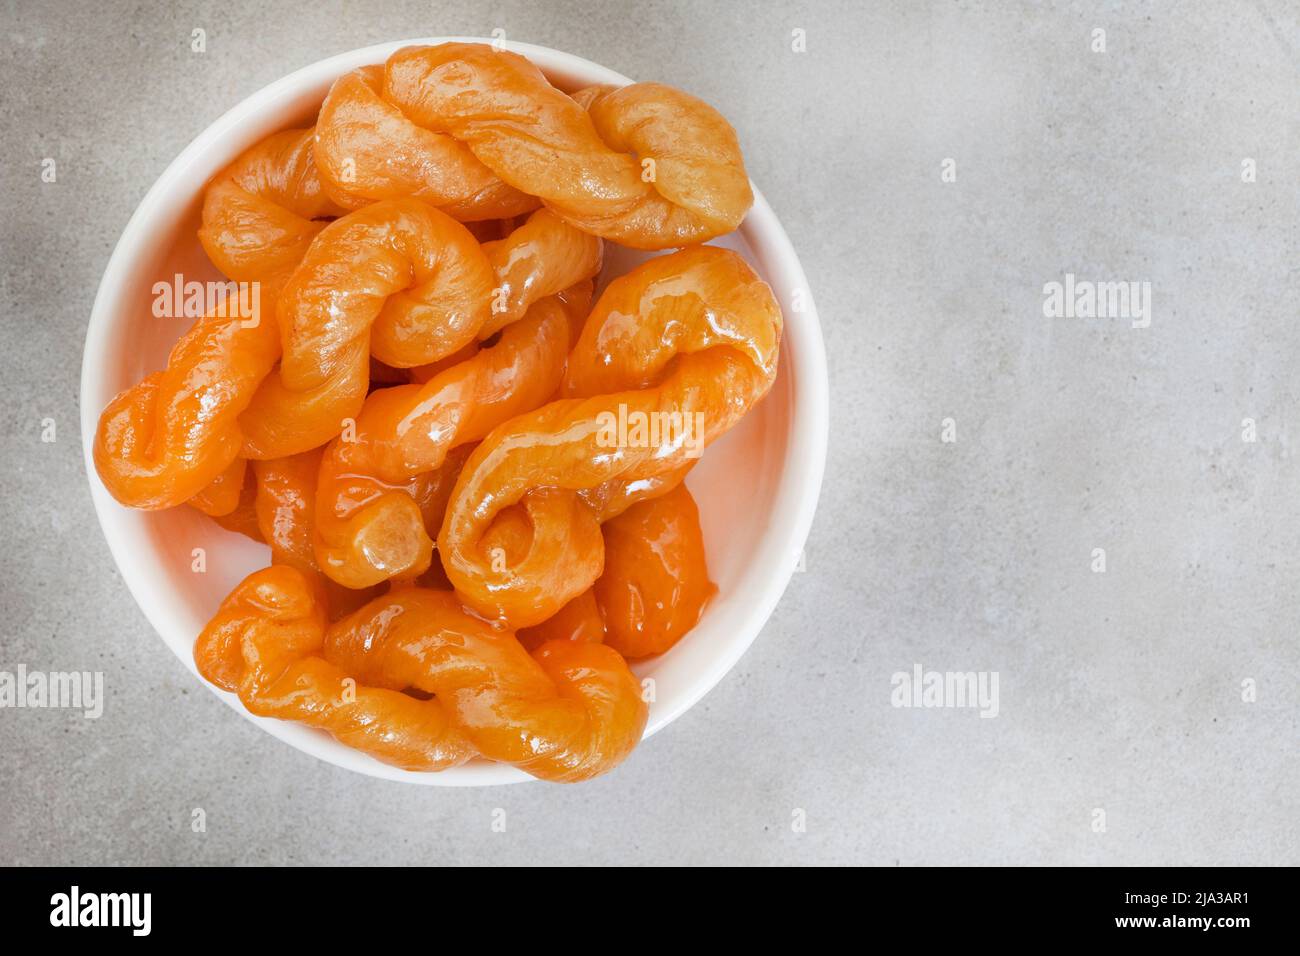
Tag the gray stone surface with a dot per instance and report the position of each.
(1119, 691)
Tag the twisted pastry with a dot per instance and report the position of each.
(691, 334)
(566, 713)
(369, 525)
(167, 438)
(653, 588)
(260, 213)
(542, 256)
(368, 530)
(415, 275)
(647, 166)
(163, 440)
(655, 582)
(368, 151)
(408, 284)
(264, 644)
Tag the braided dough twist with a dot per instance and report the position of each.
(693, 335)
(647, 166)
(165, 439)
(265, 642)
(567, 712)
(368, 151)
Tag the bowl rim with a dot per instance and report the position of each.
(798, 488)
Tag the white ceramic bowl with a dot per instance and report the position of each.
(757, 487)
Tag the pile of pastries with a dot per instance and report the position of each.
(419, 418)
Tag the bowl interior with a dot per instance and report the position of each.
(756, 486)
